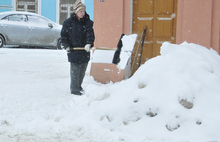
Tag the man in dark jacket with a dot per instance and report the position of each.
(77, 37)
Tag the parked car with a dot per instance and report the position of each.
(28, 29)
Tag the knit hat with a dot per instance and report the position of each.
(78, 6)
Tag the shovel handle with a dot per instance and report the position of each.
(77, 48)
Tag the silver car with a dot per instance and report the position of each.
(28, 29)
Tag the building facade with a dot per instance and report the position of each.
(174, 21)
(55, 10)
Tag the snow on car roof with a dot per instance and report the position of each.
(3, 14)
(16, 12)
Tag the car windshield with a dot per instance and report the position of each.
(2, 15)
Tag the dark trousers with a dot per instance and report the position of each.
(77, 74)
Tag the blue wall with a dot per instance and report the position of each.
(5, 5)
(6, 2)
(90, 8)
(48, 9)
(4, 10)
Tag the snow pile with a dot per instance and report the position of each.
(175, 95)
(173, 98)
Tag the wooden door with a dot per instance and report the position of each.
(160, 18)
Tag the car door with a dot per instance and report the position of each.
(39, 33)
(14, 27)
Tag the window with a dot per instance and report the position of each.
(37, 19)
(66, 9)
(5, 18)
(27, 5)
(16, 17)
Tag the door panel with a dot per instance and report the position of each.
(147, 50)
(164, 27)
(39, 33)
(145, 7)
(142, 21)
(160, 18)
(164, 6)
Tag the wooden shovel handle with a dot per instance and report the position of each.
(77, 48)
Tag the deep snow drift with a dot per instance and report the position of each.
(173, 97)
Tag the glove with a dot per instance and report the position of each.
(87, 47)
(68, 50)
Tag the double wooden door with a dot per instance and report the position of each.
(160, 18)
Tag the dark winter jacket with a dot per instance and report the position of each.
(77, 33)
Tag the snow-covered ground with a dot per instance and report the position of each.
(174, 97)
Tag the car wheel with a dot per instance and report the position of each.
(1, 41)
(58, 44)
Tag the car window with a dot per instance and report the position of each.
(5, 18)
(15, 17)
(37, 19)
